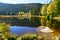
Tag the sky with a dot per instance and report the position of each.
(24, 1)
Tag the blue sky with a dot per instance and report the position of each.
(25, 1)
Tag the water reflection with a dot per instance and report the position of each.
(25, 21)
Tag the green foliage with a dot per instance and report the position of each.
(21, 13)
(5, 32)
(43, 13)
(4, 27)
(53, 10)
(44, 9)
(36, 10)
(51, 14)
(28, 37)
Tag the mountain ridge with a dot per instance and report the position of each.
(14, 8)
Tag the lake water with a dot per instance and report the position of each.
(25, 25)
(21, 26)
(19, 30)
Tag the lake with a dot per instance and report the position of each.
(21, 26)
(19, 30)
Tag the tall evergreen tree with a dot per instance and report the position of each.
(43, 13)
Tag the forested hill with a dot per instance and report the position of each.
(14, 8)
